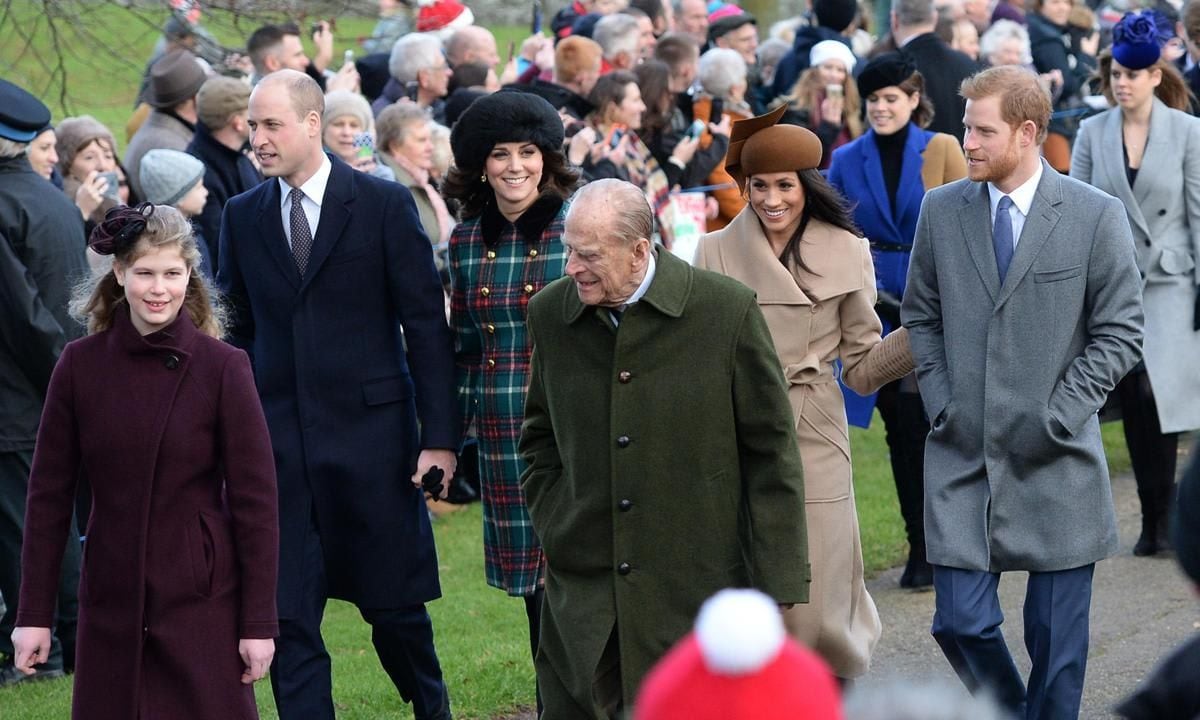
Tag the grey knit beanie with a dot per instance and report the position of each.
(168, 175)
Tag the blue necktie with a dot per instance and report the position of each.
(1002, 237)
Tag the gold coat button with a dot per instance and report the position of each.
(491, 363)
(624, 377)
(491, 254)
(528, 288)
(484, 292)
(491, 329)
(533, 253)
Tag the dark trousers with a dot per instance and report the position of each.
(14, 485)
(966, 624)
(1151, 452)
(904, 418)
(403, 638)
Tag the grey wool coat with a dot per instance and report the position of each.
(1013, 375)
(1163, 208)
(663, 467)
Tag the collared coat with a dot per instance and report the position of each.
(930, 160)
(347, 357)
(1013, 375)
(41, 257)
(495, 268)
(832, 318)
(1163, 209)
(162, 129)
(182, 543)
(662, 468)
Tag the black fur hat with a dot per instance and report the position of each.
(505, 116)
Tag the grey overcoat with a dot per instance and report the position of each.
(1013, 375)
(1163, 208)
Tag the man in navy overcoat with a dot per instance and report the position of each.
(333, 292)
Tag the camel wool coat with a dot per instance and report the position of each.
(832, 317)
(182, 544)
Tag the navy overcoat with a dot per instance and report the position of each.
(347, 358)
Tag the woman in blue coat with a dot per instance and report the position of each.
(885, 174)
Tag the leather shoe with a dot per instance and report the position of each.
(917, 575)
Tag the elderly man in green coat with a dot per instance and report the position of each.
(662, 459)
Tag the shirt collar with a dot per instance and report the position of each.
(314, 187)
(1022, 197)
(641, 291)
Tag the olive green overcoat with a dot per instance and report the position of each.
(663, 466)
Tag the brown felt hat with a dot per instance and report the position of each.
(759, 145)
(174, 78)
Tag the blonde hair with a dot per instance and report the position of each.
(808, 89)
(97, 299)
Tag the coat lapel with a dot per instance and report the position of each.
(872, 169)
(746, 256)
(1112, 157)
(270, 229)
(975, 219)
(912, 183)
(1043, 216)
(335, 213)
(1158, 149)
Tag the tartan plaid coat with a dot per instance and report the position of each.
(495, 267)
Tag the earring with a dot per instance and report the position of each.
(483, 176)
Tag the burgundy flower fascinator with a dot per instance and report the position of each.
(121, 228)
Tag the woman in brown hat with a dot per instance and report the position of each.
(796, 245)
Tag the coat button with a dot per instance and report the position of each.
(624, 376)
(533, 253)
(1162, 212)
(624, 568)
(491, 363)
(623, 441)
(529, 288)
(491, 329)
(491, 254)
(172, 362)
(625, 505)
(484, 292)
(1147, 241)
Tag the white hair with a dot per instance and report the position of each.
(1000, 31)
(616, 34)
(720, 70)
(411, 54)
(11, 148)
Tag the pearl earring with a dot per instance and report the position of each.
(483, 177)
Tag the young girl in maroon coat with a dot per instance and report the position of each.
(177, 595)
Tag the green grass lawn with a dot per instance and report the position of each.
(481, 632)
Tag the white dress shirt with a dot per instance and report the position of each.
(1022, 199)
(314, 193)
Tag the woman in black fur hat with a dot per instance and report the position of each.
(512, 181)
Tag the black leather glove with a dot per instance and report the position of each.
(887, 306)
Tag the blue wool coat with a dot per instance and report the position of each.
(347, 357)
(930, 159)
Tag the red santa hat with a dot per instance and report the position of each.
(737, 664)
(443, 17)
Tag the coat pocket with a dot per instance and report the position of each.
(202, 552)
(1176, 262)
(1049, 276)
(387, 390)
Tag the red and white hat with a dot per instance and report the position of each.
(737, 664)
(443, 17)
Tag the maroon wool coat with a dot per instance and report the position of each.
(181, 554)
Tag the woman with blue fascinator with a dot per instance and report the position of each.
(1145, 151)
